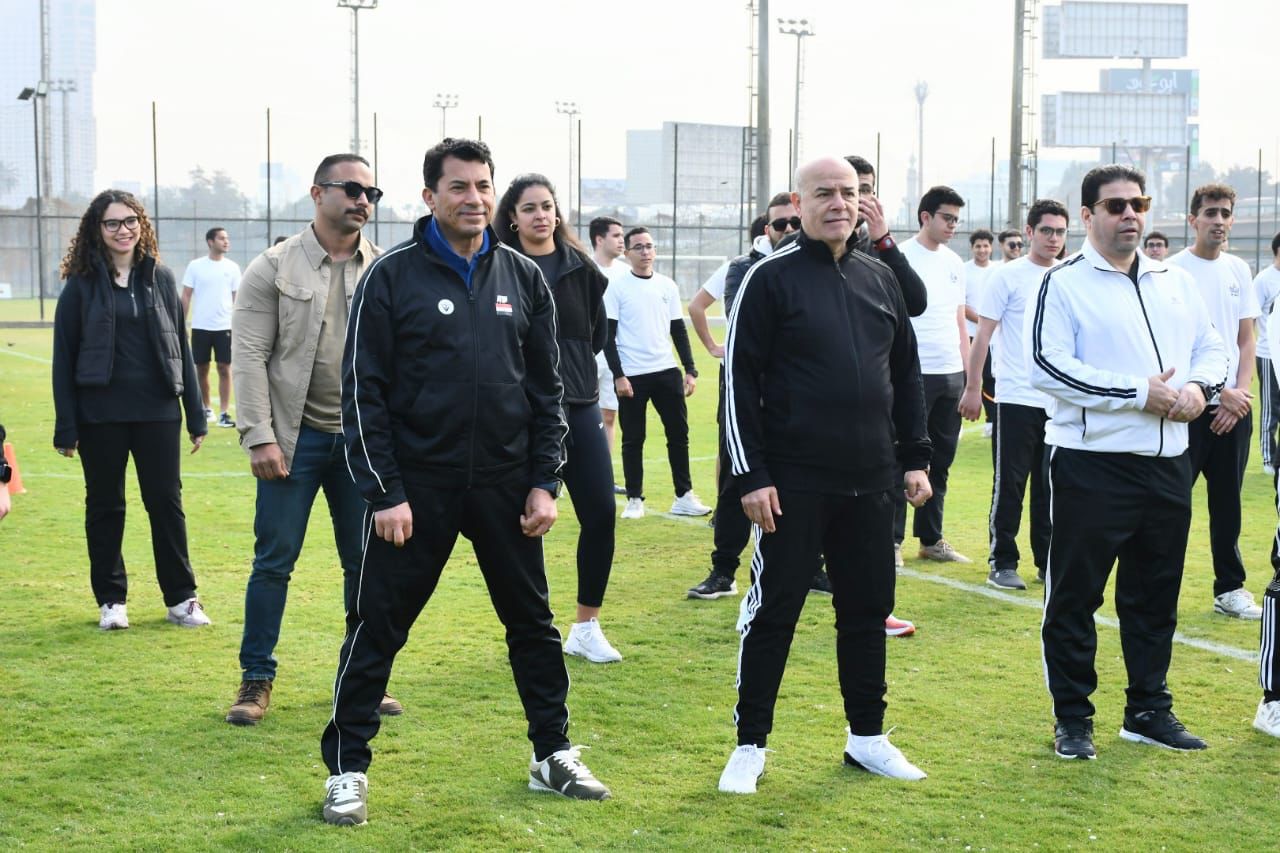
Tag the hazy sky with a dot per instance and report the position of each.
(214, 68)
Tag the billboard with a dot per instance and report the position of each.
(1080, 30)
(1099, 119)
(1162, 81)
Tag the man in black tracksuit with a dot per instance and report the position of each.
(451, 404)
(823, 401)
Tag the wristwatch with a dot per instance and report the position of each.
(1204, 388)
(884, 243)
(6, 473)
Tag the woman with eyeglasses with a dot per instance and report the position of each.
(122, 377)
(528, 219)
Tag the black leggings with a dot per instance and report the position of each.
(588, 475)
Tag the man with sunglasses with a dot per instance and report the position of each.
(1124, 347)
(1010, 245)
(943, 341)
(288, 327)
(1219, 439)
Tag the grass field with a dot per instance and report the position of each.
(116, 740)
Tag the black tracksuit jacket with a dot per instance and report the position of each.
(450, 386)
(823, 389)
(581, 323)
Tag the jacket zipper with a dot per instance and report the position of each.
(849, 323)
(475, 385)
(1156, 347)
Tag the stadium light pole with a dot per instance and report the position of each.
(798, 28)
(34, 94)
(569, 109)
(444, 103)
(356, 6)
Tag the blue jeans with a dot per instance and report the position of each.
(279, 526)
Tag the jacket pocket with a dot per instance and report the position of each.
(295, 306)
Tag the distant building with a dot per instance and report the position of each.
(72, 142)
(709, 159)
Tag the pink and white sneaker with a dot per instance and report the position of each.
(898, 627)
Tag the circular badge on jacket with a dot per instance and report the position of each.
(445, 306)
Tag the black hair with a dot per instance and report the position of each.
(639, 229)
(327, 164)
(599, 227)
(981, 234)
(1155, 235)
(861, 165)
(757, 226)
(1220, 192)
(779, 200)
(505, 216)
(1007, 233)
(935, 198)
(1094, 180)
(1043, 207)
(213, 232)
(470, 150)
(1275, 244)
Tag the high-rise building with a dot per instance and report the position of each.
(72, 131)
(710, 158)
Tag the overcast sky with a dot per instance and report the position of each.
(214, 68)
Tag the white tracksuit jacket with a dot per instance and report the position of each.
(1092, 340)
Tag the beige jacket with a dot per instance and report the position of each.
(274, 330)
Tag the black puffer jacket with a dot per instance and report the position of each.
(84, 343)
(581, 325)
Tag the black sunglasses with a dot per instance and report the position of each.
(353, 189)
(781, 223)
(1116, 206)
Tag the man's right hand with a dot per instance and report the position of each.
(1160, 397)
(623, 386)
(970, 403)
(395, 524)
(761, 506)
(267, 462)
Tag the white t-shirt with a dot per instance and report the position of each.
(1009, 290)
(644, 309)
(212, 283)
(1226, 286)
(937, 336)
(714, 285)
(975, 281)
(1266, 287)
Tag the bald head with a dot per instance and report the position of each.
(826, 194)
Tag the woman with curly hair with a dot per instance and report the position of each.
(528, 219)
(121, 364)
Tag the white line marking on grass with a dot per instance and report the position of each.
(34, 358)
(199, 475)
(1037, 604)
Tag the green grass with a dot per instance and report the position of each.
(116, 740)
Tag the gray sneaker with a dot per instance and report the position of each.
(942, 552)
(346, 799)
(1005, 579)
(563, 773)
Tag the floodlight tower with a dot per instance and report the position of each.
(356, 6)
(922, 92)
(798, 28)
(444, 103)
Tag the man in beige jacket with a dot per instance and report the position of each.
(288, 330)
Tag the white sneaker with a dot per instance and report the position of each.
(1238, 603)
(345, 799)
(113, 617)
(745, 766)
(876, 755)
(586, 640)
(688, 504)
(897, 556)
(987, 430)
(634, 508)
(1267, 720)
(1269, 470)
(188, 614)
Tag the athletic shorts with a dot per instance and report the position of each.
(204, 341)
(608, 393)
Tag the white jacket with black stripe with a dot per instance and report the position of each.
(1095, 337)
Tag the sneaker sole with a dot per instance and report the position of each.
(237, 720)
(711, 596)
(590, 659)
(690, 514)
(1233, 615)
(1066, 757)
(113, 627)
(344, 820)
(899, 632)
(540, 787)
(850, 761)
(991, 582)
(181, 624)
(819, 591)
(1134, 737)
(942, 559)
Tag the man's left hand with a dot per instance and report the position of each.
(196, 441)
(1189, 404)
(1237, 401)
(690, 383)
(539, 513)
(917, 487)
(1223, 422)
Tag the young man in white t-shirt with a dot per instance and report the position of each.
(1219, 439)
(1017, 447)
(211, 283)
(1266, 287)
(645, 316)
(943, 343)
(976, 272)
(605, 233)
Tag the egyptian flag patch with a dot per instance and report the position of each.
(502, 306)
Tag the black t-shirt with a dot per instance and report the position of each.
(138, 390)
(550, 266)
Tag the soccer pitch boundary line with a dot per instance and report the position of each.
(17, 354)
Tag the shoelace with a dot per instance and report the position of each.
(572, 762)
(251, 692)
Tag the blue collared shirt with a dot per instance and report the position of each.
(441, 247)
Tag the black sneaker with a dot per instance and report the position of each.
(1159, 728)
(224, 420)
(1073, 738)
(619, 490)
(1005, 579)
(715, 586)
(564, 773)
(821, 583)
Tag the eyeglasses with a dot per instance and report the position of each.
(949, 218)
(1116, 206)
(113, 225)
(353, 189)
(781, 223)
(642, 247)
